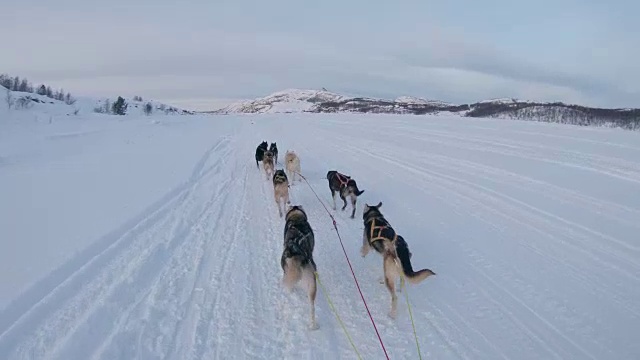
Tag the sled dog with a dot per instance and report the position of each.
(281, 189)
(267, 163)
(274, 149)
(260, 152)
(297, 257)
(292, 164)
(345, 186)
(379, 235)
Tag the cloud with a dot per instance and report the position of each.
(179, 52)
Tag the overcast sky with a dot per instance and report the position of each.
(204, 53)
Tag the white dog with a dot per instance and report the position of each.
(292, 164)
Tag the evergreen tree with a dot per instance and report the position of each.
(120, 106)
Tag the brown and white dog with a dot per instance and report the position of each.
(281, 189)
(292, 164)
(297, 256)
(267, 163)
(345, 186)
(379, 235)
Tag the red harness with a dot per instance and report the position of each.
(343, 179)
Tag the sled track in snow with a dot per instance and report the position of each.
(95, 286)
(529, 266)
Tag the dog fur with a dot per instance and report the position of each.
(345, 186)
(297, 256)
(292, 164)
(274, 149)
(267, 164)
(394, 250)
(260, 152)
(281, 189)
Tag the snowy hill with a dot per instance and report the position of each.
(142, 240)
(287, 101)
(298, 101)
(32, 103)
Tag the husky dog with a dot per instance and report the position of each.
(345, 186)
(297, 257)
(379, 235)
(267, 163)
(281, 189)
(260, 152)
(292, 164)
(274, 149)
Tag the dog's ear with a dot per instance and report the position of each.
(366, 207)
(379, 204)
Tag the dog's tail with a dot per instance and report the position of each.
(352, 182)
(404, 256)
(293, 271)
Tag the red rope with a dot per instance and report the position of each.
(335, 226)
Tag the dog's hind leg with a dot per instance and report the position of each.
(333, 196)
(364, 250)
(389, 267)
(353, 203)
(344, 199)
(278, 203)
(312, 289)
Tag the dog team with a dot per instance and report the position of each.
(297, 256)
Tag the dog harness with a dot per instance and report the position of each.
(342, 179)
(380, 229)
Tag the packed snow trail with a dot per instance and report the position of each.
(531, 229)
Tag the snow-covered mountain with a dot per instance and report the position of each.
(286, 101)
(322, 101)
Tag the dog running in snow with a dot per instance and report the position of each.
(281, 189)
(345, 186)
(297, 256)
(274, 149)
(260, 152)
(267, 163)
(379, 235)
(292, 164)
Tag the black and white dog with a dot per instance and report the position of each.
(345, 186)
(274, 149)
(380, 236)
(260, 152)
(297, 256)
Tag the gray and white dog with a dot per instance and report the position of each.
(297, 256)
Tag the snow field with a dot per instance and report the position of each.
(530, 227)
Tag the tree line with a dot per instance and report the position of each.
(23, 85)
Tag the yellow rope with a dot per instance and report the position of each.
(337, 316)
(406, 295)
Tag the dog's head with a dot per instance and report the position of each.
(295, 211)
(279, 174)
(263, 145)
(273, 146)
(371, 210)
(331, 173)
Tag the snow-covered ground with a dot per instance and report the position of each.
(157, 238)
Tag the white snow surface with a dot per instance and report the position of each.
(158, 238)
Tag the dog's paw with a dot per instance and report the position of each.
(314, 326)
(393, 314)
